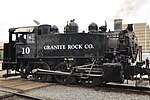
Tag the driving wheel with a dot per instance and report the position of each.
(42, 77)
(63, 79)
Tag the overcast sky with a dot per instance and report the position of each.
(16, 13)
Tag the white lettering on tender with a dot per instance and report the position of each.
(88, 46)
(54, 47)
(69, 46)
(76, 46)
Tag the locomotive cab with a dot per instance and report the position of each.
(17, 37)
(22, 45)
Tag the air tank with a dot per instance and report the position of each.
(54, 29)
(93, 28)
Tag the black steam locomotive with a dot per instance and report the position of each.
(91, 58)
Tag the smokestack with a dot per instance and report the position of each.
(117, 24)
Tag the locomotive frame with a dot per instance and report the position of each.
(93, 58)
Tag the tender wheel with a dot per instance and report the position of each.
(42, 65)
(63, 79)
(92, 81)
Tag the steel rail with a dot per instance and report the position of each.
(21, 95)
(141, 88)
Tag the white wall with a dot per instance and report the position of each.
(145, 55)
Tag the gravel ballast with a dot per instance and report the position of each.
(62, 92)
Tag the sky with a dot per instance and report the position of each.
(17, 13)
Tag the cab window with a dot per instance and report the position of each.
(21, 38)
(31, 38)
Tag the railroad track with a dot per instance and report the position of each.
(17, 86)
(11, 94)
(142, 88)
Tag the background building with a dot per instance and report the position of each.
(142, 31)
(1, 54)
(1, 50)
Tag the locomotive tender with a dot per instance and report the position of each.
(92, 58)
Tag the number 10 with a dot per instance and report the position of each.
(26, 50)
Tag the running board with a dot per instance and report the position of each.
(43, 71)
